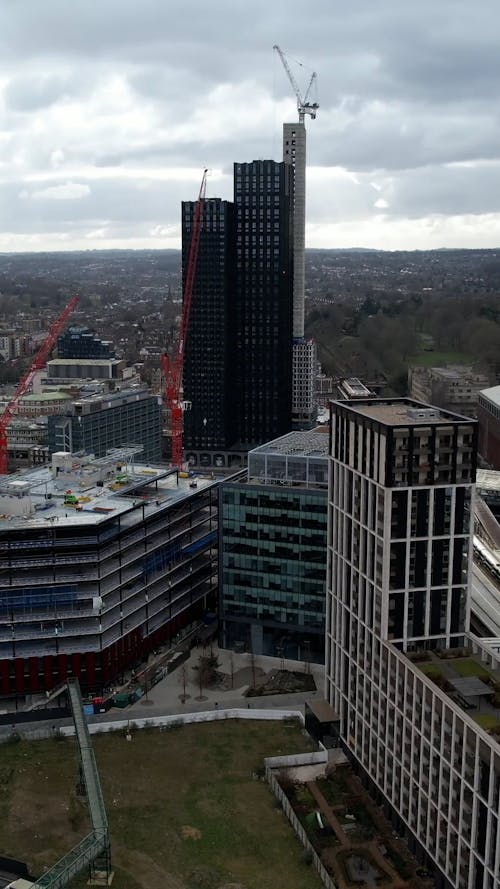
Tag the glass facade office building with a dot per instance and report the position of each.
(99, 423)
(273, 552)
(80, 342)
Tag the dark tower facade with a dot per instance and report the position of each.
(263, 304)
(80, 342)
(207, 375)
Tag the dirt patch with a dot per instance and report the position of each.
(190, 833)
(281, 682)
(143, 870)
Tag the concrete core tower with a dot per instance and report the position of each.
(304, 352)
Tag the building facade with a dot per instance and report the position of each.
(92, 581)
(80, 342)
(399, 563)
(304, 351)
(488, 415)
(454, 388)
(273, 550)
(304, 363)
(96, 424)
(207, 371)
(263, 304)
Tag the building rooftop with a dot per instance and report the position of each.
(312, 443)
(402, 412)
(86, 361)
(47, 396)
(487, 480)
(492, 394)
(82, 491)
(470, 680)
(297, 458)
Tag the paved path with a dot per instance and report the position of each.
(165, 698)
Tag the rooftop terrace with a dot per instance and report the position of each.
(469, 681)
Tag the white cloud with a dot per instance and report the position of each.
(69, 191)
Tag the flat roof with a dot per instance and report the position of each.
(492, 394)
(153, 487)
(47, 396)
(323, 711)
(471, 687)
(296, 444)
(87, 361)
(402, 412)
(487, 480)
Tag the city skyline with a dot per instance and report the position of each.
(110, 114)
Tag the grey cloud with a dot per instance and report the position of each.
(405, 90)
(30, 92)
(448, 190)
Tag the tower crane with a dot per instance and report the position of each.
(173, 367)
(303, 105)
(25, 382)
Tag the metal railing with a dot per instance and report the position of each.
(96, 844)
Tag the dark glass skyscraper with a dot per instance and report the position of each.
(263, 300)
(207, 384)
(238, 358)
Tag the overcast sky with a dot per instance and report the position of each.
(110, 110)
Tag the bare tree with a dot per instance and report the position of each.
(231, 668)
(253, 667)
(183, 679)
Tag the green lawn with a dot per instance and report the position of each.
(438, 359)
(184, 809)
(467, 667)
(486, 721)
(431, 670)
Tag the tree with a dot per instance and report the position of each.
(183, 679)
(206, 671)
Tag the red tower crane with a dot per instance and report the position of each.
(25, 382)
(172, 367)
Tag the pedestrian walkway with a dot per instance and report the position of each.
(166, 696)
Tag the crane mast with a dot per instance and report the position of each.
(303, 105)
(173, 367)
(26, 380)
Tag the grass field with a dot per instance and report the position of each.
(486, 721)
(469, 668)
(184, 809)
(438, 359)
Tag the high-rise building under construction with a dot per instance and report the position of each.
(304, 351)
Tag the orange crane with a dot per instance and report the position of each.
(172, 367)
(25, 382)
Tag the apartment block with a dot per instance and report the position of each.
(454, 388)
(488, 414)
(399, 565)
